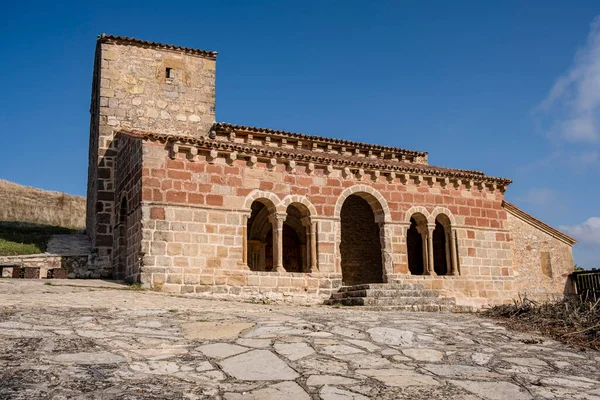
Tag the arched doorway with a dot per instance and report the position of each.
(360, 246)
(295, 238)
(441, 246)
(260, 236)
(416, 244)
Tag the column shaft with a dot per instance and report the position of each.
(313, 247)
(453, 252)
(430, 266)
(277, 222)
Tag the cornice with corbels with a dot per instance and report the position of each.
(350, 168)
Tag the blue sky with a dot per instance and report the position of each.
(510, 88)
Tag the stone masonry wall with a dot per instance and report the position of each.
(128, 186)
(193, 220)
(131, 90)
(538, 275)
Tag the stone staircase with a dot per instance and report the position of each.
(392, 296)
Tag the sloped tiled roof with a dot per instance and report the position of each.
(276, 132)
(307, 155)
(104, 38)
(517, 212)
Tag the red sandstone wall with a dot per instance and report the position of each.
(200, 206)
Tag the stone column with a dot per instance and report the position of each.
(313, 247)
(447, 239)
(424, 233)
(277, 221)
(453, 249)
(430, 266)
(311, 244)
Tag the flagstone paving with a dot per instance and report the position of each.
(94, 340)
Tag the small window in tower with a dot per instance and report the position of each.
(169, 73)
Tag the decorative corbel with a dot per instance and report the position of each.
(391, 176)
(375, 175)
(346, 172)
(232, 157)
(291, 165)
(310, 168)
(329, 169)
(192, 154)
(444, 182)
(418, 179)
(272, 163)
(252, 160)
(457, 183)
(212, 156)
(360, 173)
(174, 150)
(404, 178)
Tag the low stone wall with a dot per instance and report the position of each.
(474, 292)
(309, 288)
(42, 266)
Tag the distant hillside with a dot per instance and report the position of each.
(27, 204)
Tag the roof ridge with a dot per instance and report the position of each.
(402, 166)
(516, 211)
(318, 138)
(131, 40)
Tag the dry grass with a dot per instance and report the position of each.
(27, 204)
(574, 320)
(18, 239)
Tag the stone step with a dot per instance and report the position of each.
(382, 286)
(386, 293)
(414, 307)
(391, 301)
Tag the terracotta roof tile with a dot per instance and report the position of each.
(516, 211)
(307, 155)
(139, 42)
(276, 132)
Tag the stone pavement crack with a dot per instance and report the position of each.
(123, 344)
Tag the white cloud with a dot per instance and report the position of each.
(586, 232)
(571, 111)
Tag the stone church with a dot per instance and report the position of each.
(184, 204)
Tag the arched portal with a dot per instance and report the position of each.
(360, 246)
(416, 244)
(295, 238)
(260, 236)
(439, 249)
(441, 245)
